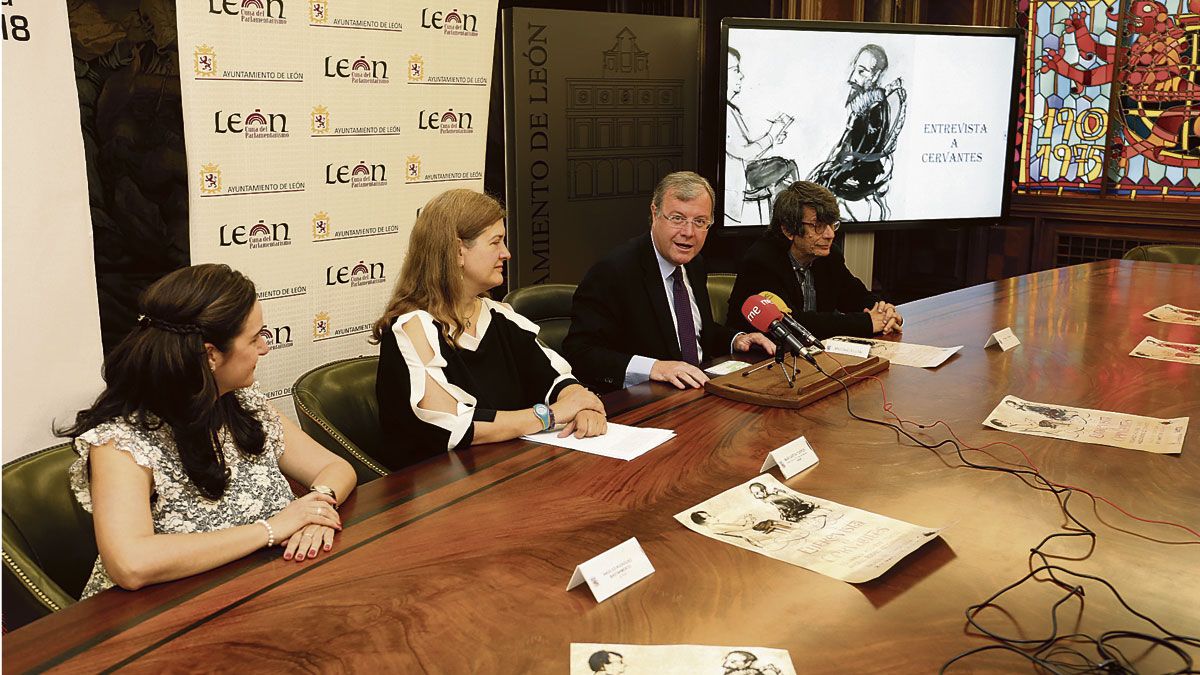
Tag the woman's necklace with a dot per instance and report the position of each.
(474, 308)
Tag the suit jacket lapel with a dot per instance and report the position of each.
(653, 283)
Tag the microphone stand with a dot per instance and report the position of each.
(780, 354)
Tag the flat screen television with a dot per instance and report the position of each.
(907, 125)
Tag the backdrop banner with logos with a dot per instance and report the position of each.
(52, 350)
(315, 131)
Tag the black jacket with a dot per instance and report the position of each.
(621, 310)
(841, 297)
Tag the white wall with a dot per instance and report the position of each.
(51, 323)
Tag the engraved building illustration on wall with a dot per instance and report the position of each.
(625, 129)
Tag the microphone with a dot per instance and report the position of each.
(766, 317)
(797, 328)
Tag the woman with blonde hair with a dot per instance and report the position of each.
(182, 460)
(457, 368)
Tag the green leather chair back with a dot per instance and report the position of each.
(1168, 253)
(49, 542)
(720, 286)
(547, 305)
(336, 406)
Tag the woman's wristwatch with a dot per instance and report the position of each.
(545, 415)
(325, 490)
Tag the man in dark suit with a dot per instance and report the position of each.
(796, 261)
(642, 313)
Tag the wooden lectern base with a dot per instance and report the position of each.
(769, 387)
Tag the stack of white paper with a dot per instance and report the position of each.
(621, 442)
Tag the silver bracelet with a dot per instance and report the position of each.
(270, 531)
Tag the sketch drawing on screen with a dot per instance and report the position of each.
(858, 170)
(750, 177)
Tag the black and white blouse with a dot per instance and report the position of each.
(502, 367)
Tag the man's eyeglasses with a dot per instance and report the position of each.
(820, 227)
(701, 223)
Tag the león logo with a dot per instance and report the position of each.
(416, 68)
(204, 61)
(448, 122)
(277, 338)
(251, 11)
(321, 227)
(361, 175)
(360, 274)
(450, 23)
(210, 179)
(412, 169)
(259, 235)
(358, 71)
(254, 125)
(320, 120)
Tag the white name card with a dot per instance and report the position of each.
(791, 458)
(614, 570)
(1003, 338)
(858, 349)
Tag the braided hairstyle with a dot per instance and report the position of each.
(159, 374)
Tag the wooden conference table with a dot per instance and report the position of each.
(459, 565)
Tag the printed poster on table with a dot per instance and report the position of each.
(315, 131)
(1119, 430)
(601, 657)
(1161, 350)
(1173, 314)
(767, 517)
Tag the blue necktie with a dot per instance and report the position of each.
(683, 319)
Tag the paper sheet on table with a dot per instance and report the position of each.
(1119, 430)
(621, 441)
(1161, 350)
(899, 353)
(1173, 314)
(678, 659)
(726, 367)
(765, 516)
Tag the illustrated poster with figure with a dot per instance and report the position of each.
(1161, 350)
(767, 517)
(1119, 430)
(1173, 314)
(614, 659)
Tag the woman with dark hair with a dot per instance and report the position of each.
(455, 366)
(181, 458)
